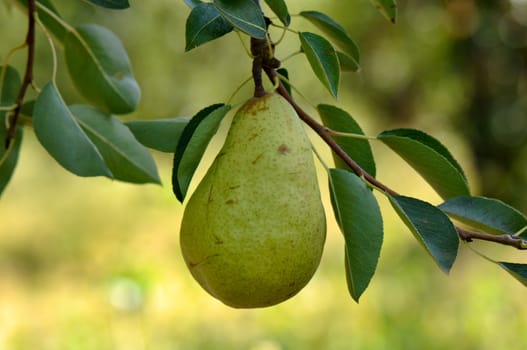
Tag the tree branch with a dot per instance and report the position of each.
(28, 75)
(509, 240)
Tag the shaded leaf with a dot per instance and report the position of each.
(486, 214)
(431, 227)
(360, 220)
(323, 60)
(283, 72)
(335, 31)
(111, 4)
(388, 8)
(127, 159)
(9, 86)
(518, 271)
(347, 63)
(279, 7)
(430, 159)
(161, 134)
(204, 24)
(193, 3)
(100, 69)
(60, 134)
(358, 149)
(192, 144)
(50, 21)
(243, 15)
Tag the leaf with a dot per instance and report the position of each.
(323, 60)
(360, 220)
(486, 214)
(60, 134)
(50, 21)
(192, 145)
(358, 149)
(193, 3)
(430, 159)
(161, 134)
(431, 227)
(111, 4)
(100, 68)
(204, 24)
(284, 73)
(279, 8)
(388, 8)
(127, 159)
(9, 86)
(335, 31)
(518, 271)
(244, 15)
(347, 63)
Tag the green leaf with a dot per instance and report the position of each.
(431, 227)
(193, 3)
(243, 15)
(111, 4)
(347, 63)
(335, 31)
(204, 24)
(100, 68)
(323, 60)
(518, 271)
(360, 220)
(127, 159)
(388, 8)
(192, 144)
(279, 8)
(61, 135)
(358, 149)
(486, 214)
(284, 73)
(430, 159)
(161, 134)
(9, 87)
(50, 21)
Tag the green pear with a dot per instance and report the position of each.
(253, 231)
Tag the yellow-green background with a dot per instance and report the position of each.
(95, 264)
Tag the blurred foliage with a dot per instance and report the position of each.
(95, 264)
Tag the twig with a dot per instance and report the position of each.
(509, 240)
(28, 76)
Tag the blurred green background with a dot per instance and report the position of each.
(95, 264)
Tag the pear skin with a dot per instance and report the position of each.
(254, 229)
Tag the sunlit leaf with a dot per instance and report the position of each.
(360, 220)
(99, 66)
(335, 31)
(279, 7)
(358, 149)
(192, 144)
(431, 227)
(430, 159)
(50, 21)
(486, 214)
(388, 8)
(243, 15)
(9, 86)
(111, 4)
(204, 24)
(323, 60)
(127, 159)
(518, 271)
(160, 134)
(60, 134)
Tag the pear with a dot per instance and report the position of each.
(253, 231)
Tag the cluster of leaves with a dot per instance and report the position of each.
(89, 140)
